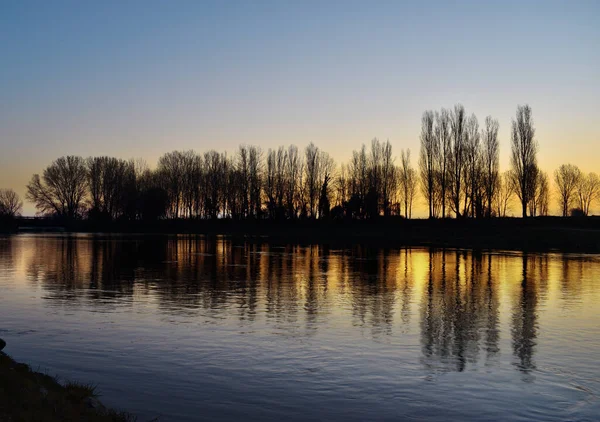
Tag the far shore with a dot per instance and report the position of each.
(581, 235)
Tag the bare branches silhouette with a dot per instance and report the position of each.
(458, 173)
(524, 149)
(567, 178)
(10, 203)
(62, 188)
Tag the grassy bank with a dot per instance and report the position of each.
(532, 234)
(26, 395)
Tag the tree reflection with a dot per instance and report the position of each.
(524, 320)
(372, 276)
(460, 311)
(451, 299)
(7, 256)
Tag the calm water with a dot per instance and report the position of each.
(188, 328)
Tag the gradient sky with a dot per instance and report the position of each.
(137, 79)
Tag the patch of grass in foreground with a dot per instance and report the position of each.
(26, 395)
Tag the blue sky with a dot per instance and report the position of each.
(137, 79)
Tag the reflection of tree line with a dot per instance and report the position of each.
(372, 282)
(294, 285)
(524, 320)
(7, 256)
(460, 310)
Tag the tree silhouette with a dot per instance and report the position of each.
(388, 177)
(524, 156)
(588, 191)
(540, 196)
(324, 206)
(443, 133)
(458, 123)
(293, 175)
(10, 203)
(458, 172)
(473, 171)
(111, 185)
(504, 192)
(62, 188)
(567, 178)
(428, 161)
(408, 183)
(491, 161)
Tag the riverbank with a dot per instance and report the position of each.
(581, 235)
(26, 395)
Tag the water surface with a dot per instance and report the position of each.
(194, 328)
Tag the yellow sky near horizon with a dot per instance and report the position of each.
(583, 150)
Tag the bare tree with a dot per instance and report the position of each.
(311, 178)
(112, 187)
(95, 166)
(358, 174)
(274, 186)
(567, 179)
(443, 139)
(324, 201)
(543, 193)
(62, 188)
(504, 192)
(270, 181)
(428, 161)
(234, 192)
(342, 187)
(408, 183)
(250, 167)
(473, 170)
(374, 164)
(326, 172)
(588, 191)
(409, 187)
(540, 197)
(491, 161)
(293, 177)
(458, 123)
(171, 171)
(181, 174)
(255, 181)
(524, 156)
(319, 167)
(280, 180)
(388, 177)
(192, 168)
(10, 203)
(215, 181)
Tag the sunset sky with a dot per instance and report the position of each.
(129, 80)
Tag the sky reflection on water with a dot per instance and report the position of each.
(194, 328)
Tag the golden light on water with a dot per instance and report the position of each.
(325, 279)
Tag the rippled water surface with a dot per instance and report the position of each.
(190, 328)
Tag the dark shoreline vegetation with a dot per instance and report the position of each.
(27, 395)
(533, 234)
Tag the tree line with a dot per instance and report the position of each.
(458, 175)
(459, 166)
(283, 183)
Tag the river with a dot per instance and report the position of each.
(191, 328)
